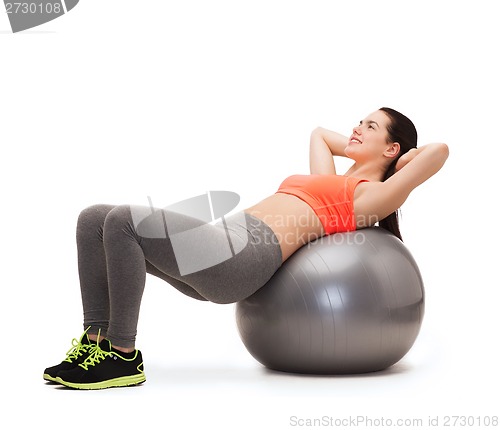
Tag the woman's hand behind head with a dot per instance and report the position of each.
(406, 158)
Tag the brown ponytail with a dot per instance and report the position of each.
(403, 131)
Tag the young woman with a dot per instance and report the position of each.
(118, 245)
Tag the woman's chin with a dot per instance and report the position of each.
(350, 152)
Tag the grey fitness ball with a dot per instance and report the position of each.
(343, 304)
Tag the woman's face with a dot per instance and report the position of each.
(369, 140)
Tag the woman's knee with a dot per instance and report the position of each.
(95, 213)
(118, 219)
(91, 219)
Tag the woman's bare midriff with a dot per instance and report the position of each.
(292, 220)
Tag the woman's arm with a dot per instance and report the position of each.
(324, 144)
(413, 168)
(418, 165)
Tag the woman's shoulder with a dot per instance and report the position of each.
(366, 187)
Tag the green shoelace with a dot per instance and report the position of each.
(96, 355)
(77, 349)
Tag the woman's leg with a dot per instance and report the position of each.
(134, 240)
(93, 274)
(92, 268)
(223, 263)
(117, 245)
(181, 286)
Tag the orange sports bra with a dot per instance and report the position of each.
(331, 197)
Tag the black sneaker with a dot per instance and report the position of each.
(105, 367)
(76, 355)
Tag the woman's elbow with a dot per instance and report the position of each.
(444, 151)
(440, 151)
(440, 154)
(444, 148)
(316, 132)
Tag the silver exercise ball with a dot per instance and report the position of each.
(346, 303)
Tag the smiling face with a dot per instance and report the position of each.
(370, 140)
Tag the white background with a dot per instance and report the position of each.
(120, 100)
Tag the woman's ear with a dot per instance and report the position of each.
(392, 150)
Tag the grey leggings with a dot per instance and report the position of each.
(117, 245)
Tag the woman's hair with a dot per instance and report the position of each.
(401, 130)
